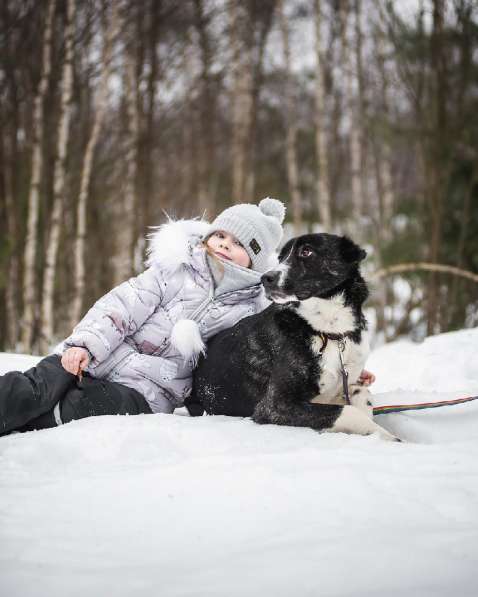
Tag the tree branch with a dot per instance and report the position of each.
(422, 266)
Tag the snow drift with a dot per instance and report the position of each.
(176, 506)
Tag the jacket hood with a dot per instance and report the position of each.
(171, 244)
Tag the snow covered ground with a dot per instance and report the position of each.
(173, 506)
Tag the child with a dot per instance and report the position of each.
(139, 343)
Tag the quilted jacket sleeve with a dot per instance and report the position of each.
(118, 314)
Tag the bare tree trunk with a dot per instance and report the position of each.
(263, 14)
(438, 161)
(361, 104)
(188, 157)
(59, 184)
(139, 48)
(355, 142)
(384, 155)
(291, 126)
(11, 287)
(101, 107)
(12, 275)
(380, 229)
(149, 195)
(127, 203)
(323, 187)
(9, 127)
(464, 223)
(206, 113)
(29, 277)
(242, 99)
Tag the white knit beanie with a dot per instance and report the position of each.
(257, 228)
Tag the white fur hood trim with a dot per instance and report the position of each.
(171, 244)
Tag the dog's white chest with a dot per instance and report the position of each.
(330, 316)
(354, 357)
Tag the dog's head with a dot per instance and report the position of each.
(312, 265)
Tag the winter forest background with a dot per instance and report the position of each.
(361, 115)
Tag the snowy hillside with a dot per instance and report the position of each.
(168, 505)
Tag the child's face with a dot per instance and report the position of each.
(227, 246)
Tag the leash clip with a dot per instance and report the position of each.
(343, 370)
(341, 342)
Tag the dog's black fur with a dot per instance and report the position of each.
(268, 366)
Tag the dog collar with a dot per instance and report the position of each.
(337, 336)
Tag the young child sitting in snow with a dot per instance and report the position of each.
(139, 343)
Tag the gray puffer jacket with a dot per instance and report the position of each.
(148, 332)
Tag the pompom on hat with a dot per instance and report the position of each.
(257, 227)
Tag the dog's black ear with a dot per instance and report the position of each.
(351, 252)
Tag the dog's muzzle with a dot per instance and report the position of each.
(270, 280)
(271, 283)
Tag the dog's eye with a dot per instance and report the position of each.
(305, 252)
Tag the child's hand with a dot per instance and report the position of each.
(366, 378)
(75, 359)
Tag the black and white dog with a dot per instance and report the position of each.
(283, 365)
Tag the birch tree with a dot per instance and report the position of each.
(350, 92)
(187, 149)
(59, 184)
(261, 17)
(150, 134)
(206, 111)
(384, 185)
(9, 159)
(31, 241)
(323, 187)
(250, 26)
(437, 162)
(82, 205)
(241, 97)
(291, 124)
(126, 207)
(383, 153)
(361, 103)
(11, 309)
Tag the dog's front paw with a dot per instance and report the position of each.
(354, 420)
(361, 398)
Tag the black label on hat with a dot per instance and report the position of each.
(255, 246)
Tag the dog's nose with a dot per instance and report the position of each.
(270, 278)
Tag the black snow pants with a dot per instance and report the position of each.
(47, 395)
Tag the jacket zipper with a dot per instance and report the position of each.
(196, 315)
